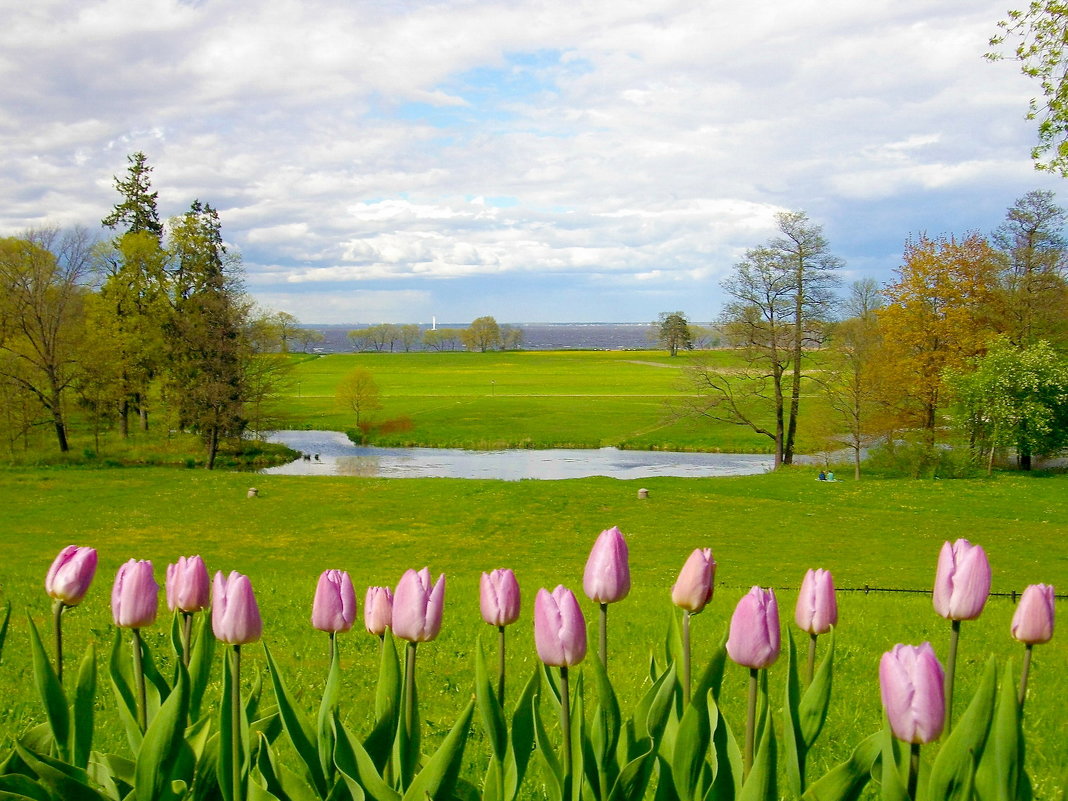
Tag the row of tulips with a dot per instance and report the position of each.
(677, 741)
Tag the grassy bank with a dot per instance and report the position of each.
(763, 530)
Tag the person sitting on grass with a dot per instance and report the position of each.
(822, 476)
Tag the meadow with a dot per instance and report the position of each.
(519, 399)
(763, 530)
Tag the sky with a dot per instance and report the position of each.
(533, 160)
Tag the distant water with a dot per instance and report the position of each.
(333, 454)
(536, 336)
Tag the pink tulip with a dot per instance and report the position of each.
(70, 575)
(499, 597)
(693, 588)
(188, 586)
(378, 610)
(754, 637)
(417, 606)
(912, 684)
(607, 575)
(334, 607)
(817, 608)
(962, 581)
(559, 628)
(235, 617)
(135, 595)
(1033, 621)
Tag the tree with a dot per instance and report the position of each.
(782, 300)
(135, 287)
(287, 326)
(1041, 32)
(1015, 397)
(207, 352)
(409, 335)
(673, 332)
(511, 337)
(848, 379)
(483, 334)
(1035, 253)
(307, 337)
(940, 312)
(357, 392)
(43, 277)
(442, 339)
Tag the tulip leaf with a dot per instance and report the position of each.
(439, 775)
(656, 710)
(997, 775)
(725, 756)
(605, 731)
(61, 779)
(521, 741)
(489, 707)
(118, 669)
(760, 784)
(164, 754)
(82, 710)
(953, 770)
(547, 753)
(673, 650)
(156, 687)
(327, 706)
(387, 696)
(812, 712)
(51, 692)
(688, 763)
(17, 787)
(847, 781)
(794, 747)
(298, 729)
(3, 628)
(712, 676)
(893, 773)
(357, 768)
(201, 661)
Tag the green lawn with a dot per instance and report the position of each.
(763, 530)
(521, 399)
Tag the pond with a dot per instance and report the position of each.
(331, 453)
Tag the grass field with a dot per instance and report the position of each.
(763, 530)
(521, 399)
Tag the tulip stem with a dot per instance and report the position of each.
(811, 670)
(914, 769)
(139, 680)
(333, 646)
(685, 658)
(565, 725)
(750, 723)
(1024, 671)
(500, 666)
(57, 611)
(604, 636)
(951, 669)
(235, 723)
(187, 636)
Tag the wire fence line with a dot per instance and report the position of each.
(867, 589)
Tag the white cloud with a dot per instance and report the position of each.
(370, 144)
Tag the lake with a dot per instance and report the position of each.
(333, 454)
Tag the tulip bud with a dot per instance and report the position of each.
(817, 607)
(911, 681)
(962, 581)
(135, 595)
(235, 617)
(334, 607)
(559, 628)
(607, 575)
(417, 606)
(693, 588)
(70, 575)
(1032, 622)
(499, 597)
(188, 586)
(754, 637)
(378, 609)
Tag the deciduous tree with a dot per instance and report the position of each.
(483, 334)
(940, 312)
(358, 393)
(673, 332)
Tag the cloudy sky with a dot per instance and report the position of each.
(534, 160)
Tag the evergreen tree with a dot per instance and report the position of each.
(207, 352)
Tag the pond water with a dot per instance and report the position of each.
(333, 454)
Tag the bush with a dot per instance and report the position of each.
(919, 459)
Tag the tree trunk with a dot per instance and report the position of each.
(124, 418)
(213, 447)
(856, 462)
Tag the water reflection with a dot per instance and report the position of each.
(332, 453)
